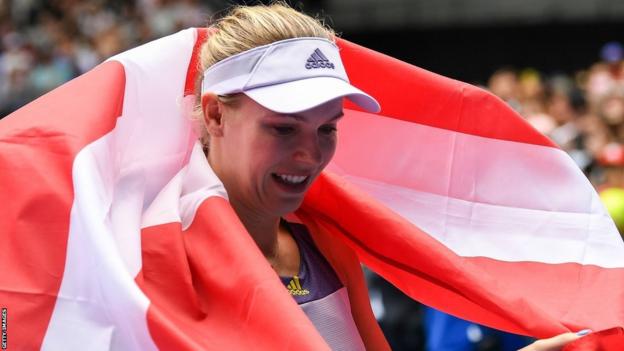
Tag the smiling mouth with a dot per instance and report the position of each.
(291, 179)
(291, 182)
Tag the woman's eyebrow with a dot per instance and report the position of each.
(302, 118)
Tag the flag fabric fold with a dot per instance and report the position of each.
(117, 235)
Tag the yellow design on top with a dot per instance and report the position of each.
(294, 287)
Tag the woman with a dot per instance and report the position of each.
(270, 99)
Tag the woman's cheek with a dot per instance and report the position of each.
(329, 149)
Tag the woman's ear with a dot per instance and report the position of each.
(212, 114)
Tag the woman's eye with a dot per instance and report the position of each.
(328, 129)
(284, 130)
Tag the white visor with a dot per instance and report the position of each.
(287, 76)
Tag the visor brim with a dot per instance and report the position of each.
(304, 94)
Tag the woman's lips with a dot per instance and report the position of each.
(290, 182)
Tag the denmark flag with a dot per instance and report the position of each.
(116, 234)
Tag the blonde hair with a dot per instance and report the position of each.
(247, 27)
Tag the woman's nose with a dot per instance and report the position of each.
(309, 151)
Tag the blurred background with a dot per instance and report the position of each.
(559, 63)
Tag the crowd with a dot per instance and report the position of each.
(46, 43)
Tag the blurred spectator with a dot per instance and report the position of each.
(612, 54)
(611, 110)
(611, 158)
(600, 81)
(531, 92)
(504, 84)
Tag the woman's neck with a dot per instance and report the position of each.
(275, 241)
(263, 229)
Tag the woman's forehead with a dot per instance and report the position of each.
(326, 112)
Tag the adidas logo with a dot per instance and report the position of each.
(294, 287)
(318, 60)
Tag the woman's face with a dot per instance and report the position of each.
(267, 160)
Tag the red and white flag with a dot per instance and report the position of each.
(115, 233)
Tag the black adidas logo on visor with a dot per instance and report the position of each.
(318, 60)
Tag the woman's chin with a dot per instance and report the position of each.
(286, 198)
(285, 207)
